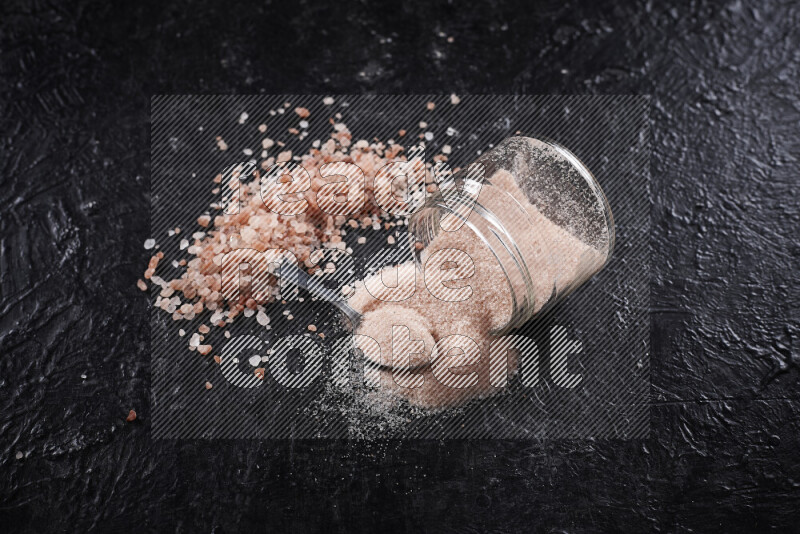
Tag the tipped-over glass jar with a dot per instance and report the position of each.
(540, 227)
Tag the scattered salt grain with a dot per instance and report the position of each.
(149, 243)
(328, 100)
(454, 98)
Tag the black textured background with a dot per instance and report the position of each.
(75, 86)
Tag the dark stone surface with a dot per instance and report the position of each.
(75, 82)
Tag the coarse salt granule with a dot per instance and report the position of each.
(262, 318)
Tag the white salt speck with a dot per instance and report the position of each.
(243, 117)
(451, 131)
(454, 99)
(83, 376)
(184, 244)
(446, 149)
(194, 341)
(149, 243)
(429, 136)
(262, 318)
(247, 152)
(255, 360)
(328, 100)
(19, 455)
(303, 124)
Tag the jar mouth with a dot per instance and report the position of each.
(497, 240)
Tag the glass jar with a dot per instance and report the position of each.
(543, 224)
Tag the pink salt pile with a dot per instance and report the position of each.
(199, 288)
